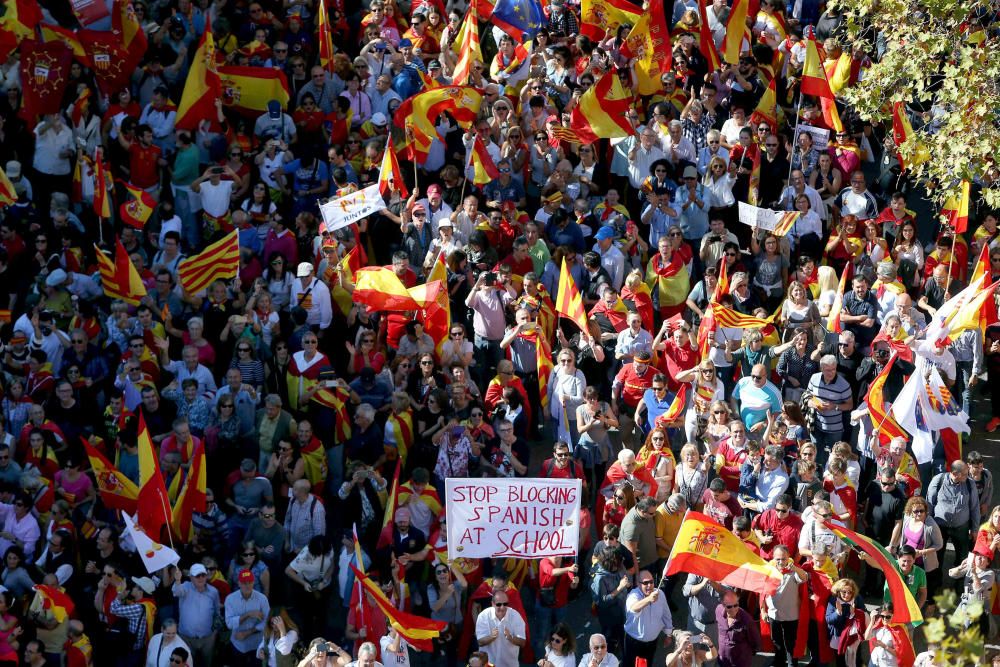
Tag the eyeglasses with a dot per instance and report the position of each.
(919, 511)
(718, 412)
(78, 341)
(598, 647)
(310, 342)
(781, 511)
(249, 554)
(500, 604)
(426, 363)
(707, 371)
(456, 334)
(730, 254)
(758, 377)
(556, 639)
(731, 606)
(243, 349)
(476, 414)
(646, 582)
(562, 455)
(674, 234)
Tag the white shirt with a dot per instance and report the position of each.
(390, 659)
(638, 168)
(609, 660)
(317, 302)
(613, 262)
(158, 655)
(501, 652)
(215, 198)
(47, 148)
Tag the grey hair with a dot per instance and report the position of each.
(367, 648)
(828, 360)
(274, 400)
(365, 410)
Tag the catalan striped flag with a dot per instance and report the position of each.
(833, 319)
(732, 319)
(904, 608)
(569, 303)
(119, 278)
(785, 223)
(543, 358)
(221, 260)
(484, 170)
(416, 630)
(467, 46)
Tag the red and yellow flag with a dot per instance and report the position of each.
(249, 89)
(904, 608)
(484, 170)
(833, 319)
(704, 547)
(152, 504)
(436, 314)
(600, 113)
(80, 106)
(419, 114)
(956, 212)
(814, 80)
(192, 496)
(324, 38)
(7, 194)
(68, 37)
(767, 108)
(117, 491)
(102, 189)
(569, 303)
(202, 86)
(706, 41)
(902, 131)
(543, 359)
(603, 17)
(18, 24)
(390, 176)
(125, 22)
(55, 600)
(881, 418)
(736, 31)
(649, 43)
(677, 407)
(119, 278)
(137, 210)
(785, 223)
(221, 260)
(732, 319)
(379, 288)
(467, 46)
(336, 399)
(385, 535)
(416, 630)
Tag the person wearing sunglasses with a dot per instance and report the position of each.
(501, 632)
(889, 642)
(647, 618)
(781, 608)
(739, 634)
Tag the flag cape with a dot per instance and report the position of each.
(117, 491)
(671, 281)
(833, 319)
(192, 495)
(600, 113)
(419, 114)
(602, 17)
(102, 190)
(905, 608)
(324, 38)
(119, 278)
(704, 547)
(385, 534)
(732, 319)
(880, 417)
(221, 260)
(55, 600)
(380, 289)
(202, 86)
(416, 630)
(484, 170)
(154, 555)
(153, 508)
(336, 399)
(957, 212)
(429, 496)
(249, 89)
(137, 210)
(7, 194)
(467, 45)
(569, 303)
(735, 31)
(389, 174)
(44, 76)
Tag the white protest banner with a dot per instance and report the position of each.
(755, 216)
(351, 208)
(515, 518)
(820, 135)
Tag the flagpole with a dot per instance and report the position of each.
(166, 518)
(951, 261)
(795, 135)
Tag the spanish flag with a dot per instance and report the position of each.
(80, 106)
(221, 260)
(436, 314)
(118, 492)
(722, 284)
(956, 212)
(649, 43)
(429, 496)
(249, 89)
(192, 496)
(416, 630)
(736, 31)
(880, 417)
(348, 266)
(767, 108)
(420, 112)
(119, 278)
(125, 23)
(55, 600)
(56, 33)
(324, 38)
(102, 192)
(833, 319)
(904, 607)
(202, 86)
(814, 80)
(153, 507)
(401, 428)
(390, 176)
(467, 46)
(484, 170)
(385, 534)
(671, 281)
(704, 547)
(600, 113)
(137, 210)
(677, 407)
(379, 288)
(7, 194)
(569, 303)
(706, 41)
(902, 132)
(602, 17)
(18, 24)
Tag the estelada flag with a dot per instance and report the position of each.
(44, 75)
(109, 59)
(603, 17)
(880, 417)
(705, 548)
(380, 288)
(904, 608)
(420, 112)
(390, 176)
(385, 534)
(569, 303)
(7, 194)
(119, 278)
(18, 24)
(249, 89)
(137, 211)
(833, 319)
(416, 630)
(54, 600)
(221, 260)
(600, 113)
(484, 169)
(117, 491)
(956, 212)
(202, 86)
(192, 496)
(152, 504)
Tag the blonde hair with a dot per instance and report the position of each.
(633, 279)
(844, 585)
(827, 279)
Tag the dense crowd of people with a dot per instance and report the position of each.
(308, 401)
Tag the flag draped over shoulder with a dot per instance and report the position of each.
(671, 280)
(119, 278)
(416, 630)
(600, 113)
(569, 303)
(904, 607)
(336, 399)
(704, 547)
(117, 491)
(202, 86)
(153, 508)
(221, 260)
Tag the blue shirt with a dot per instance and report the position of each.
(694, 218)
(307, 178)
(570, 235)
(497, 191)
(237, 606)
(651, 621)
(196, 610)
(655, 408)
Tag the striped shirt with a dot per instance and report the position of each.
(838, 391)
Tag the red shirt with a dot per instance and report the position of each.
(677, 359)
(559, 582)
(144, 169)
(526, 265)
(633, 384)
(786, 532)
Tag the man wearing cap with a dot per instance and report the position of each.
(313, 296)
(437, 209)
(691, 201)
(612, 259)
(246, 612)
(275, 124)
(135, 604)
(16, 175)
(436, 72)
(197, 604)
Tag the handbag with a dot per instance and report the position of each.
(547, 596)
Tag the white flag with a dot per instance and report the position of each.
(154, 555)
(910, 409)
(944, 411)
(351, 208)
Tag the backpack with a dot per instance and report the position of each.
(549, 465)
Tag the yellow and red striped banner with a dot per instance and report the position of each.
(221, 260)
